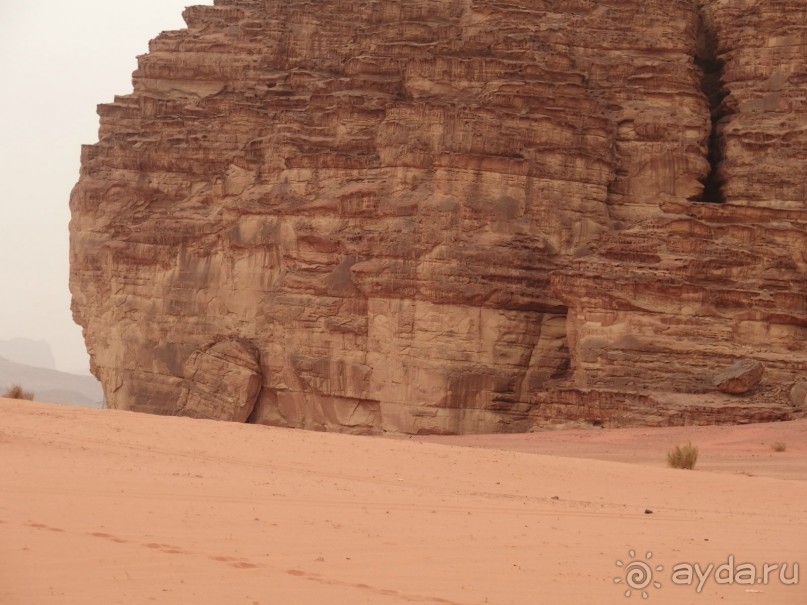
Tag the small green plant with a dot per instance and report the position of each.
(15, 391)
(683, 456)
(778, 446)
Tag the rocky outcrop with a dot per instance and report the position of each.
(798, 396)
(741, 377)
(450, 216)
(222, 382)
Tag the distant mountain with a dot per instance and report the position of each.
(51, 385)
(30, 352)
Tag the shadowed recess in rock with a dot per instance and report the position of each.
(711, 67)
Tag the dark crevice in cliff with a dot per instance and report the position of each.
(711, 68)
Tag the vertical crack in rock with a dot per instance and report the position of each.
(711, 67)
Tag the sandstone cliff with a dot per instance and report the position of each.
(451, 215)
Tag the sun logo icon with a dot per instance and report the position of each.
(638, 574)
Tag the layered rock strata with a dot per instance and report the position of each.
(449, 216)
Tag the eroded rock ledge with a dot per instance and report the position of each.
(451, 215)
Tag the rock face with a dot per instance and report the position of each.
(451, 215)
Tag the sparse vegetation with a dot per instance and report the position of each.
(15, 391)
(778, 446)
(683, 456)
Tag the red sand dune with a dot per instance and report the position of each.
(114, 507)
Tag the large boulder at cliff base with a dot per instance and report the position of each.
(222, 382)
(798, 395)
(741, 377)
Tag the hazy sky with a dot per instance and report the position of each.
(58, 60)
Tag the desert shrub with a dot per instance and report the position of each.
(778, 446)
(15, 391)
(683, 456)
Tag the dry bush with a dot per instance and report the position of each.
(15, 391)
(778, 446)
(683, 456)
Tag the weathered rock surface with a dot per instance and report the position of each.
(798, 395)
(451, 215)
(742, 376)
(222, 382)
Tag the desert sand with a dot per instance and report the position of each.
(102, 506)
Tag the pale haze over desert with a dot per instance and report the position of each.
(444, 302)
(59, 60)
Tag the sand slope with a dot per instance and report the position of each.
(744, 450)
(114, 507)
